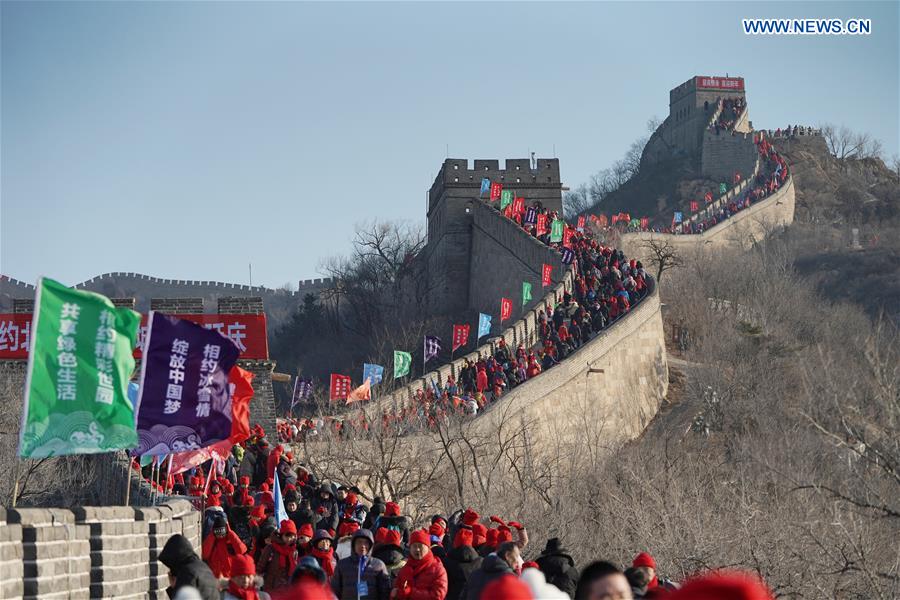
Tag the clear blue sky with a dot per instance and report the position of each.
(189, 139)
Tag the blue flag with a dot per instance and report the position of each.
(678, 217)
(567, 256)
(374, 373)
(531, 215)
(484, 324)
(434, 387)
(485, 186)
(280, 512)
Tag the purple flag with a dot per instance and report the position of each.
(567, 256)
(432, 347)
(531, 215)
(184, 401)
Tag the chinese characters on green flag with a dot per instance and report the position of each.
(402, 362)
(506, 198)
(526, 293)
(723, 188)
(76, 390)
(556, 230)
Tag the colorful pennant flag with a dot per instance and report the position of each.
(567, 256)
(519, 206)
(541, 227)
(580, 225)
(723, 188)
(402, 363)
(506, 198)
(526, 293)
(373, 372)
(556, 230)
(460, 336)
(302, 390)
(678, 217)
(546, 275)
(363, 392)
(531, 215)
(505, 309)
(568, 234)
(183, 400)
(432, 347)
(694, 206)
(485, 186)
(484, 325)
(496, 189)
(76, 392)
(708, 197)
(339, 388)
(280, 512)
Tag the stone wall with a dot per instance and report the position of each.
(740, 231)
(90, 552)
(725, 154)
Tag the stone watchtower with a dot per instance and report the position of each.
(691, 107)
(450, 225)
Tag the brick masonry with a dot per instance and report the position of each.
(90, 552)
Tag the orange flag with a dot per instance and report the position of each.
(363, 392)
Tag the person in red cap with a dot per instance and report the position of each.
(423, 577)
(242, 584)
(392, 519)
(304, 539)
(388, 549)
(436, 533)
(220, 545)
(723, 585)
(646, 563)
(278, 559)
(460, 562)
(507, 587)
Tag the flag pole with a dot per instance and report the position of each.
(128, 480)
(15, 495)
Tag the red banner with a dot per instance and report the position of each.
(602, 220)
(546, 274)
(496, 188)
(645, 222)
(248, 332)
(580, 222)
(460, 336)
(340, 387)
(519, 206)
(694, 206)
(568, 234)
(708, 197)
(505, 309)
(720, 83)
(541, 224)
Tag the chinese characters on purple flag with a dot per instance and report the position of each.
(184, 402)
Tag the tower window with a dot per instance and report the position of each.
(455, 167)
(517, 179)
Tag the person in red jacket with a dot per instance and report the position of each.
(220, 546)
(423, 577)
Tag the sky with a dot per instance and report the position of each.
(191, 140)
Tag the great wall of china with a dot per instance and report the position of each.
(619, 378)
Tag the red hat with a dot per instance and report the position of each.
(307, 530)
(248, 500)
(470, 517)
(644, 560)
(264, 487)
(463, 537)
(347, 528)
(393, 537)
(507, 587)
(245, 480)
(496, 519)
(351, 499)
(436, 529)
(723, 585)
(492, 536)
(503, 535)
(258, 512)
(530, 565)
(392, 509)
(479, 532)
(242, 564)
(420, 536)
(288, 526)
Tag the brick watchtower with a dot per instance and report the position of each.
(450, 227)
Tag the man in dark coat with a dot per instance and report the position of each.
(325, 505)
(186, 569)
(558, 566)
(495, 565)
(460, 563)
(360, 576)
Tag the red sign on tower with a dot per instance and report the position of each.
(505, 309)
(546, 274)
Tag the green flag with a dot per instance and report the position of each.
(402, 362)
(556, 230)
(723, 188)
(526, 293)
(506, 198)
(76, 391)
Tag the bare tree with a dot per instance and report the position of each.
(844, 144)
(663, 256)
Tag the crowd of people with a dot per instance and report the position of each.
(330, 544)
(772, 174)
(732, 108)
(607, 286)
